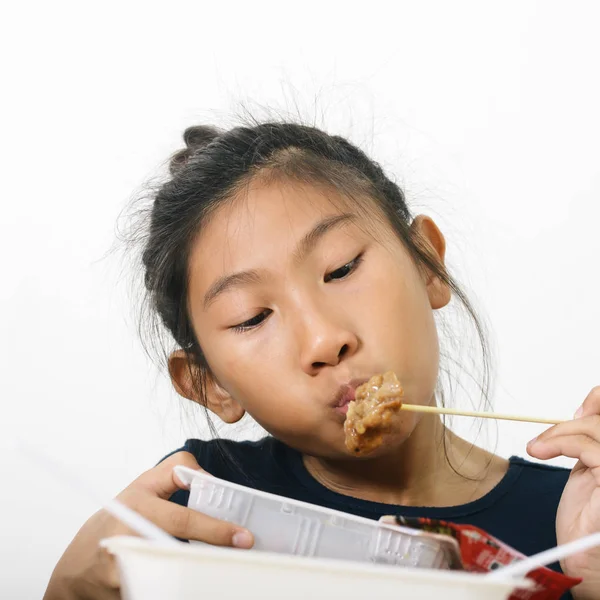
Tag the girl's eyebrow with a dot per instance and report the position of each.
(222, 284)
(303, 249)
(307, 244)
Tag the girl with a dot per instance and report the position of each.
(288, 269)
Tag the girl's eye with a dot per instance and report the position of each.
(343, 271)
(253, 322)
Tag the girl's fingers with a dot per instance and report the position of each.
(578, 446)
(591, 405)
(161, 480)
(149, 495)
(588, 426)
(585, 422)
(183, 522)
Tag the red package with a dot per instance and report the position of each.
(482, 553)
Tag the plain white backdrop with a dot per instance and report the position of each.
(487, 114)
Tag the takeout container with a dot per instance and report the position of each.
(286, 526)
(154, 571)
(301, 551)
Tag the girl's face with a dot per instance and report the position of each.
(296, 299)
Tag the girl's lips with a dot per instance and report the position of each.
(343, 410)
(346, 394)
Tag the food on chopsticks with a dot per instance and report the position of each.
(370, 415)
(378, 401)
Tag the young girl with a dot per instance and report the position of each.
(288, 269)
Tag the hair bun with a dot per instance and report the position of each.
(200, 136)
(195, 138)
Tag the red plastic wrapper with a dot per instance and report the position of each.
(482, 553)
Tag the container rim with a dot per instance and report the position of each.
(121, 545)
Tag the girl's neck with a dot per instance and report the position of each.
(434, 467)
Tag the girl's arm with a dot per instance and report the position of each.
(86, 571)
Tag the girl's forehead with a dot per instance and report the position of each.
(285, 202)
(277, 214)
(262, 225)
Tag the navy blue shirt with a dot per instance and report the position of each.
(520, 510)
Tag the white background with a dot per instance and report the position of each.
(487, 113)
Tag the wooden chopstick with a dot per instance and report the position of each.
(481, 415)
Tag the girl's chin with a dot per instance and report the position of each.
(385, 450)
(389, 447)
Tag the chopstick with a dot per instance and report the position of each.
(520, 568)
(75, 480)
(481, 415)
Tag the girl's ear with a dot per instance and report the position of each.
(428, 233)
(186, 377)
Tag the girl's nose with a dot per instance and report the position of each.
(325, 343)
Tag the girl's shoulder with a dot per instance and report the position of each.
(250, 463)
(542, 467)
(529, 483)
(539, 473)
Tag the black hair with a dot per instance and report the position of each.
(213, 168)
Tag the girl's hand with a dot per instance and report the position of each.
(88, 572)
(579, 509)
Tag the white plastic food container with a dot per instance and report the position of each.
(152, 571)
(285, 526)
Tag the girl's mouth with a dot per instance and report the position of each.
(343, 409)
(345, 395)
